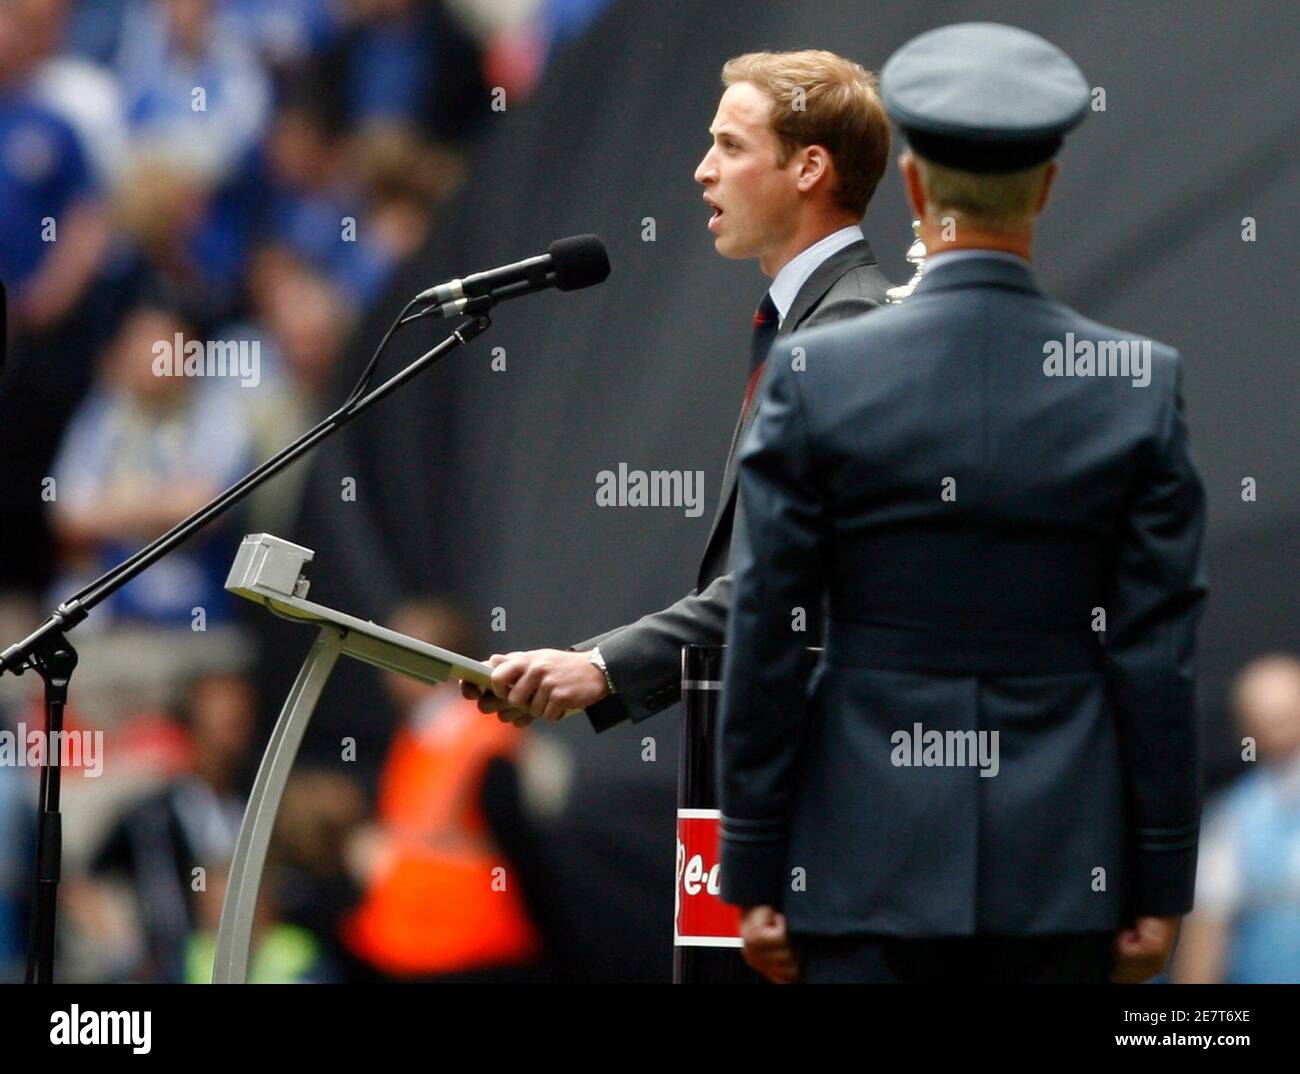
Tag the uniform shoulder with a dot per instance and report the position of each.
(1165, 358)
(1085, 327)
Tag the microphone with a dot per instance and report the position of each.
(569, 264)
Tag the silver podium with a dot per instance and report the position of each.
(268, 570)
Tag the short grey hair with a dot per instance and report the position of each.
(999, 201)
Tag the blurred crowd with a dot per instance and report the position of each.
(243, 173)
(244, 177)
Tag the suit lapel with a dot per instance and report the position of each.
(805, 302)
(822, 280)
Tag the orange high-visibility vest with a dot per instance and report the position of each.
(444, 900)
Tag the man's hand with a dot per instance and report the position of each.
(1142, 950)
(542, 684)
(767, 944)
(489, 702)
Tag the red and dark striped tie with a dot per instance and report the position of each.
(766, 322)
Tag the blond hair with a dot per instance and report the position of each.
(1000, 201)
(819, 98)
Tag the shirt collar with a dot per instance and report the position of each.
(795, 272)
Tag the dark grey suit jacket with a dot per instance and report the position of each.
(969, 519)
(644, 658)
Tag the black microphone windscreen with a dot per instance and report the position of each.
(579, 261)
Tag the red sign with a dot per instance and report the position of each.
(701, 918)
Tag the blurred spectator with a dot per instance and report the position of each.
(193, 90)
(565, 20)
(283, 32)
(94, 28)
(389, 57)
(521, 37)
(309, 193)
(307, 321)
(281, 953)
(302, 323)
(191, 824)
(142, 452)
(320, 812)
(176, 227)
(351, 208)
(404, 182)
(407, 62)
(441, 899)
(83, 92)
(1245, 927)
(53, 231)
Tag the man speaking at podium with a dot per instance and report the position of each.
(800, 142)
(979, 785)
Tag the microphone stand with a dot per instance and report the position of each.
(48, 652)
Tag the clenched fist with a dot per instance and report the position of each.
(1142, 949)
(768, 948)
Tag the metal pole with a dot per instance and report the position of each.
(238, 909)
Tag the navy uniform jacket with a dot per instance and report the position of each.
(644, 658)
(966, 517)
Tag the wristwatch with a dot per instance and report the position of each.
(599, 661)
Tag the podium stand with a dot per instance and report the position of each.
(706, 931)
(268, 570)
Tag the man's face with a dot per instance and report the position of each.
(755, 201)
